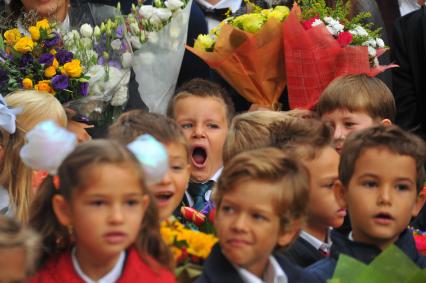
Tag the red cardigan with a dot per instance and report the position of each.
(135, 270)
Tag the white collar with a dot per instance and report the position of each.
(110, 277)
(350, 237)
(234, 5)
(214, 178)
(273, 274)
(316, 243)
(216, 175)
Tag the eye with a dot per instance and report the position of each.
(132, 202)
(259, 217)
(328, 185)
(227, 209)
(369, 184)
(97, 202)
(186, 126)
(402, 187)
(213, 126)
(349, 125)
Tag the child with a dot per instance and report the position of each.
(15, 177)
(261, 200)
(381, 177)
(310, 141)
(18, 251)
(98, 221)
(169, 192)
(355, 102)
(204, 111)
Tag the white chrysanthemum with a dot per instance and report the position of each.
(86, 30)
(380, 43)
(359, 31)
(370, 42)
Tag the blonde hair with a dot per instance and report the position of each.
(358, 93)
(15, 176)
(270, 165)
(250, 130)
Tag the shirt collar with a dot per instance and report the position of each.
(111, 276)
(273, 274)
(316, 243)
(234, 5)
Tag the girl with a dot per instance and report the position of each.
(15, 177)
(97, 220)
(170, 190)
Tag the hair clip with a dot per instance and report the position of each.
(47, 146)
(56, 182)
(8, 116)
(152, 155)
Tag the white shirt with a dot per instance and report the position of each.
(316, 243)
(110, 277)
(273, 274)
(408, 6)
(214, 178)
(234, 5)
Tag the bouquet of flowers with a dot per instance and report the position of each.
(247, 52)
(321, 43)
(190, 248)
(200, 220)
(38, 60)
(391, 266)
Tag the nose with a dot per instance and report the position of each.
(198, 131)
(166, 179)
(116, 214)
(385, 195)
(339, 132)
(240, 223)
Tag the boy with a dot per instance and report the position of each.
(355, 102)
(310, 141)
(204, 111)
(261, 201)
(381, 177)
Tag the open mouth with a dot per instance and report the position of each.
(383, 218)
(199, 156)
(163, 196)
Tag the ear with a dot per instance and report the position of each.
(62, 210)
(339, 192)
(386, 122)
(420, 202)
(288, 235)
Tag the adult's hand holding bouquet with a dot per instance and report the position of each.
(321, 43)
(247, 52)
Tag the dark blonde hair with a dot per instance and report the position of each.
(74, 173)
(358, 93)
(391, 138)
(202, 88)
(134, 123)
(14, 235)
(269, 165)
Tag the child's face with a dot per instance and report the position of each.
(323, 209)
(381, 196)
(203, 120)
(248, 226)
(107, 214)
(169, 192)
(12, 265)
(345, 122)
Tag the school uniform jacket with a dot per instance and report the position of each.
(302, 253)
(217, 269)
(135, 270)
(324, 269)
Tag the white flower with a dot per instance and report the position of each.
(173, 4)
(380, 43)
(134, 29)
(155, 20)
(120, 96)
(329, 20)
(126, 60)
(87, 43)
(372, 51)
(72, 35)
(86, 30)
(146, 11)
(97, 31)
(163, 13)
(317, 22)
(359, 30)
(116, 44)
(376, 62)
(370, 42)
(92, 55)
(136, 43)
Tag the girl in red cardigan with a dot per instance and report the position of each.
(98, 221)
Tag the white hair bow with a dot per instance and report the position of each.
(153, 157)
(48, 145)
(8, 116)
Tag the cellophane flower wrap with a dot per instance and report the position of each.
(158, 35)
(321, 44)
(247, 52)
(36, 59)
(391, 266)
(190, 248)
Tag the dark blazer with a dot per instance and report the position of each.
(409, 83)
(324, 269)
(302, 253)
(217, 269)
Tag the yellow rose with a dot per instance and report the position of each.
(43, 24)
(35, 33)
(44, 86)
(266, 12)
(73, 69)
(280, 13)
(250, 22)
(27, 83)
(55, 63)
(50, 72)
(12, 36)
(204, 42)
(24, 45)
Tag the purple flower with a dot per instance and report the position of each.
(84, 88)
(54, 40)
(114, 63)
(4, 77)
(59, 82)
(27, 59)
(46, 59)
(119, 31)
(64, 56)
